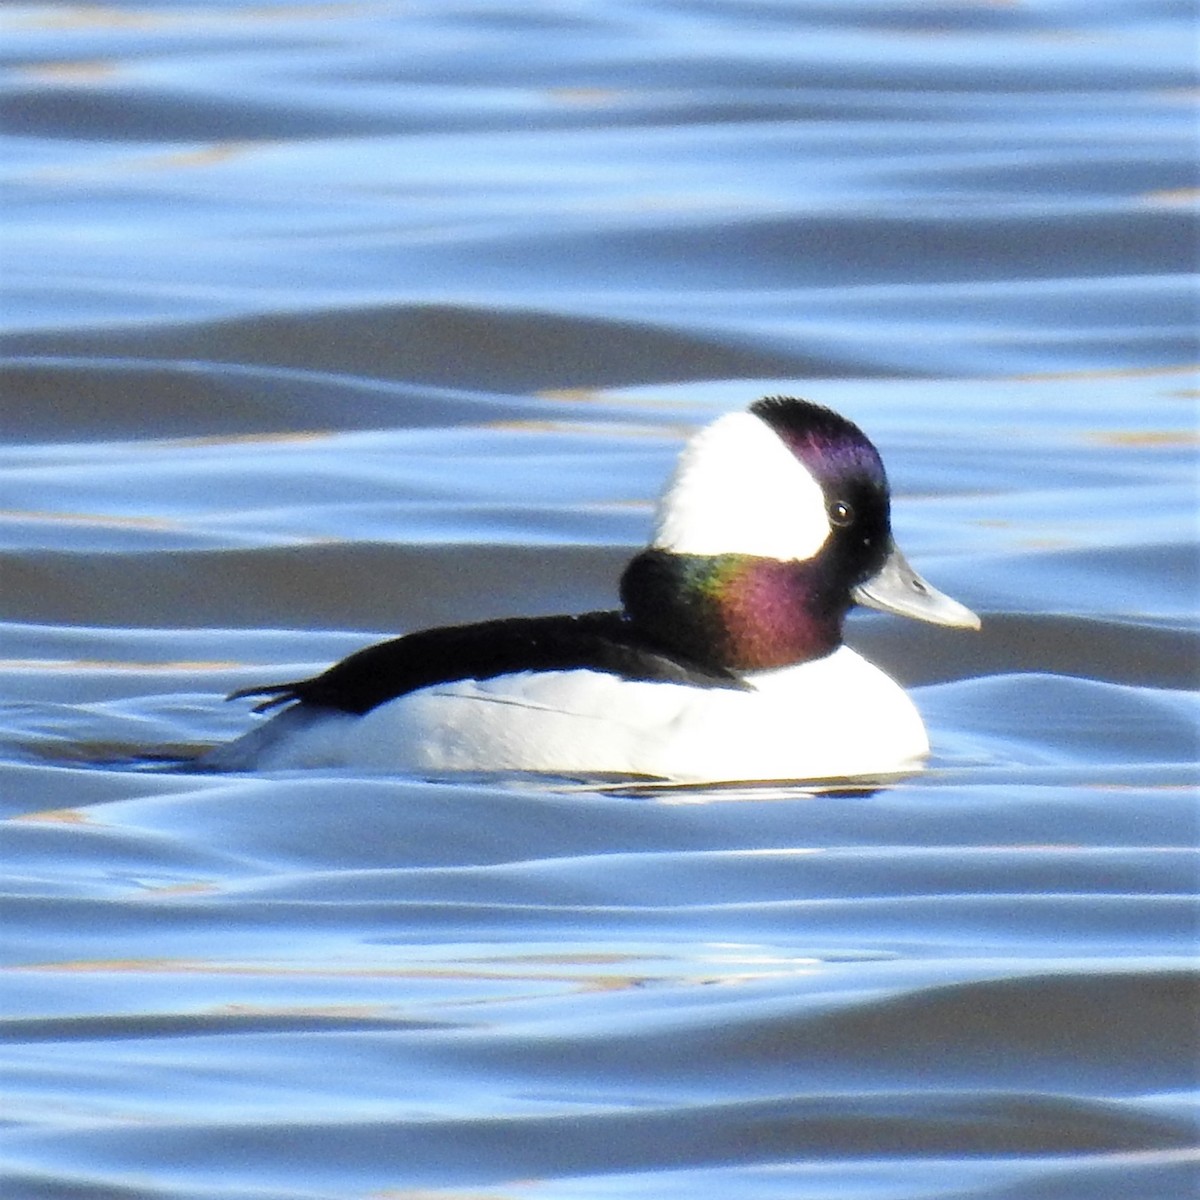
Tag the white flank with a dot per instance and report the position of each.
(737, 489)
(838, 716)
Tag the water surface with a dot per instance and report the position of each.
(326, 322)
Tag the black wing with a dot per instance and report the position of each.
(601, 641)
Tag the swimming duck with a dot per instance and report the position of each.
(725, 661)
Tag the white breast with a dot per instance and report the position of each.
(838, 716)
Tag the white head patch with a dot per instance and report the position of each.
(737, 489)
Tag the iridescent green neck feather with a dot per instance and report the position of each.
(735, 611)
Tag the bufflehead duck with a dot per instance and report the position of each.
(724, 663)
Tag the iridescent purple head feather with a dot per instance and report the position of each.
(834, 449)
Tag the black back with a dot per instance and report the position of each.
(601, 641)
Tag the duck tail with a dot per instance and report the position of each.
(277, 694)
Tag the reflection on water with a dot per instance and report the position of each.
(328, 321)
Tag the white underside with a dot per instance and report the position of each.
(836, 717)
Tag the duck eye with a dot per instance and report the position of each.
(840, 513)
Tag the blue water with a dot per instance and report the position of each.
(326, 322)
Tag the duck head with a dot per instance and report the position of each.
(774, 524)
